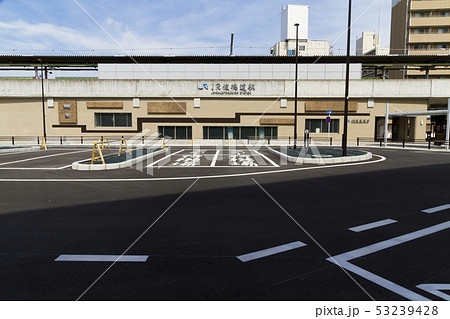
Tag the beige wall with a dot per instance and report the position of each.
(398, 24)
(21, 117)
(430, 5)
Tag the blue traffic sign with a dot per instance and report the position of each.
(328, 119)
(329, 112)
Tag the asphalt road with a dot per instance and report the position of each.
(191, 223)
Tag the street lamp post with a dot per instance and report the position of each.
(296, 79)
(43, 99)
(347, 80)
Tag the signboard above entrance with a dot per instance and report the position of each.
(227, 88)
(330, 105)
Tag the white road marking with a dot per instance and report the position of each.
(165, 157)
(270, 251)
(343, 259)
(40, 157)
(105, 258)
(436, 209)
(109, 180)
(435, 289)
(267, 159)
(63, 167)
(399, 290)
(364, 227)
(214, 160)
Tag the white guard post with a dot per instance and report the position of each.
(386, 124)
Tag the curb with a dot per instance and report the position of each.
(322, 161)
(102, 167)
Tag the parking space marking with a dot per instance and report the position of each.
(162, 159)
(342, 260)
(213, 163)
(267, 159)
(40, 157)
(242, 159)
(188, 160)
(103, 258)
(270, 251)
(436, 209)
(364, 227)
(435, 289)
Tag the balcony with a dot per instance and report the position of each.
(430, 5)
(429, 52)
(429, 38)
(430, 21)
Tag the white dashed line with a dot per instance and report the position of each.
(364, 227)
(270, 251)
(436, 209)
(103, 258)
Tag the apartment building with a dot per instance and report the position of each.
(369, 44)
(421, 27)
(291, 15)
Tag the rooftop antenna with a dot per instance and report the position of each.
(231, 44)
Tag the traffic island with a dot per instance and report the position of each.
(116, 161)
(319, 155)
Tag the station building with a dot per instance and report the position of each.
(218, 101)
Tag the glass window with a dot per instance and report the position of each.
(248, 132)
(169, 131)
(121, 120)
(107, 119)
(205, 132)
(112, 119)
(216, 132)
(321, 126)
(275, 132)
(177, 132)
(181, 132)
(236, 133)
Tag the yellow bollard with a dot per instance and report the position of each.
(102, 142)
(43, 144)
(127, 150)
(98, 158)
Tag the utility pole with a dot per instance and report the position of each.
(347, 81)
(296, 80)
(231, 44)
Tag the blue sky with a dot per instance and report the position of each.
(188, 27)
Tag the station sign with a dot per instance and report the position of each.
(227, 88)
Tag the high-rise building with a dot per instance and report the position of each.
(369, 44)
(421, 27)
(291, 15)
